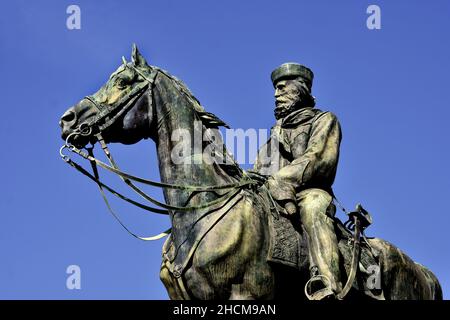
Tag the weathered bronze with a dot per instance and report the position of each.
(263, 234)
(309, 142)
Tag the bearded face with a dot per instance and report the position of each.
(291, 95)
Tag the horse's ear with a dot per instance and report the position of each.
(136, 57)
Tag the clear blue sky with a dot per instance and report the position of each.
(389, 88)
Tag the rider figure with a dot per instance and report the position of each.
(302, 170)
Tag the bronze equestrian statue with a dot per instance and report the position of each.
(260, 234)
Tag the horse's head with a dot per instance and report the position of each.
(119, 110)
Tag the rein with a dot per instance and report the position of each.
(102, 121)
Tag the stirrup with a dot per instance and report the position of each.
(321, 293)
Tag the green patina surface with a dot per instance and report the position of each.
(241, 248)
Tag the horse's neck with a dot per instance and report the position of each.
(174, 113)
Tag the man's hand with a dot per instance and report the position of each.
(290, 208)
(284, 194)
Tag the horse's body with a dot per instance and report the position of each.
(221, 253)
(232, 256)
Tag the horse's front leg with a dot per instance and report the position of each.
(231, 261)
(240, 292)
(170, 282)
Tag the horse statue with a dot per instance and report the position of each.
(227, 239)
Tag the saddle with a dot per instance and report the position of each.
(289, 247)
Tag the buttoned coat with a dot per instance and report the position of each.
(302, 152)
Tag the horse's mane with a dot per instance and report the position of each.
(209, 121)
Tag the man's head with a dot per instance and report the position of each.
(292, 84)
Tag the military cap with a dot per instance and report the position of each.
(292, 70)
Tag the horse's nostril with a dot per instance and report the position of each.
(67, 117)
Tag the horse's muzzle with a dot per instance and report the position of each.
(67, 122)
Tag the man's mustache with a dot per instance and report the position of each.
(280, 100)
(284, 105)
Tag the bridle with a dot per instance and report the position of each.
(106, 117)
(108, 114)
